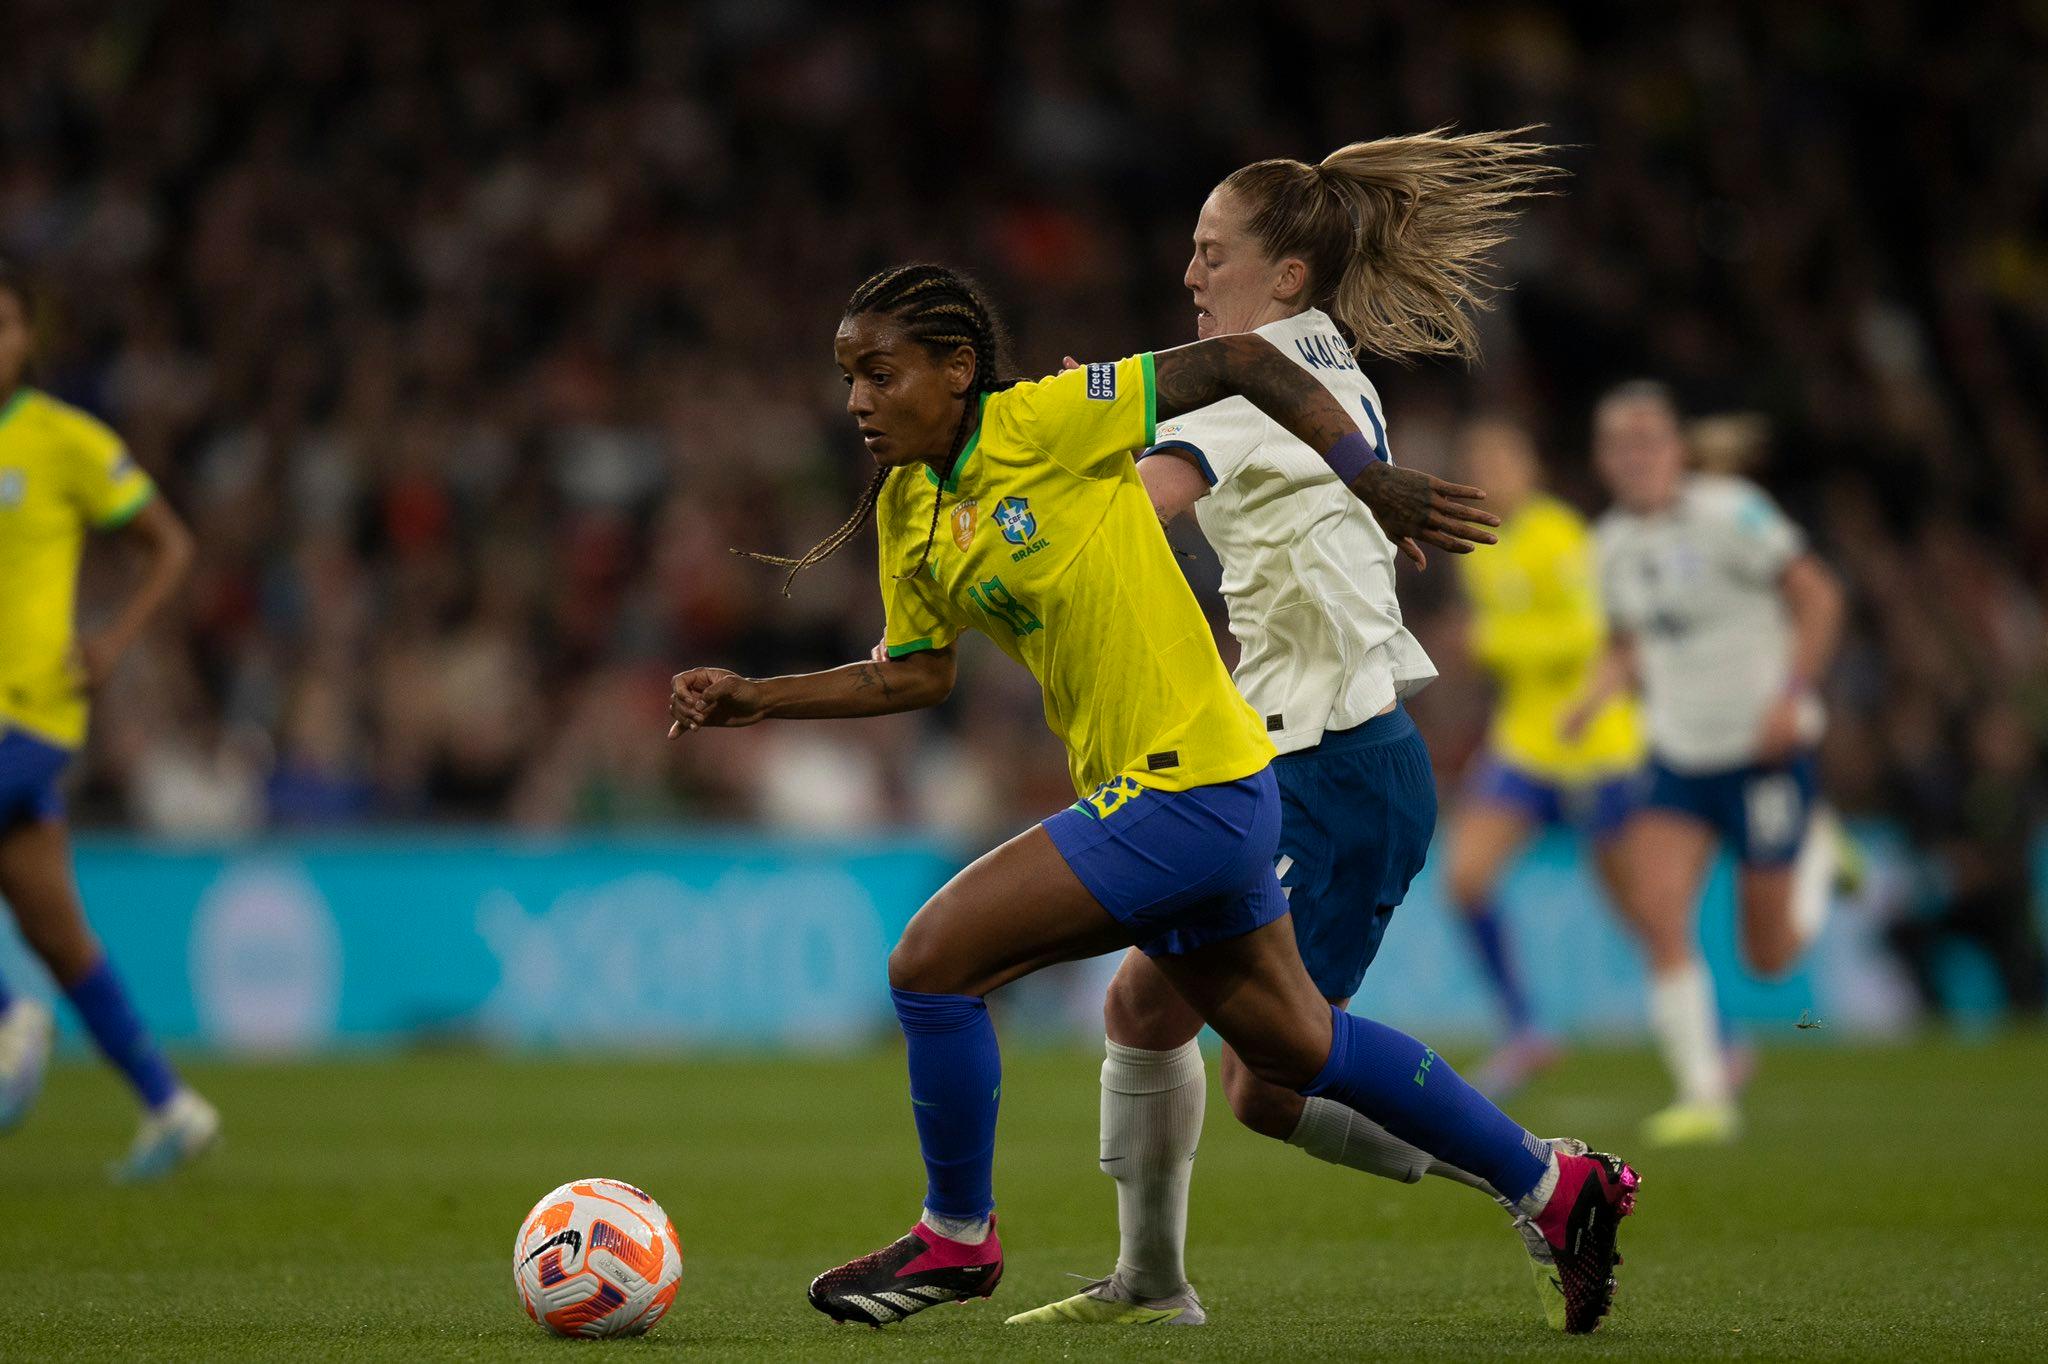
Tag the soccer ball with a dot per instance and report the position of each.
(597, 1258)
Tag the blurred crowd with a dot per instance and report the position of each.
(471, 336)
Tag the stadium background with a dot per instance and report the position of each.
(470, 337)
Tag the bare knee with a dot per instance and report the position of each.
(1269, 1109)
(1142, 1009)
(919, 964)
(60, 938)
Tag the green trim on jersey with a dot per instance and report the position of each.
(122, 515)
(13, 404)
(1151, 401)
(952, 481)
(915, 646)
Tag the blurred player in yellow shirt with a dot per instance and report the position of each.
(62, 475)
(1537, 629)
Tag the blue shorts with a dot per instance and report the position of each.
(29, 769)
(1761, 812)
(1596, 809)
(1180, 869)
(1359, 810)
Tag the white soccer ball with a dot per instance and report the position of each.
(597, 1258)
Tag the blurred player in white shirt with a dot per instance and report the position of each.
(1725, 621)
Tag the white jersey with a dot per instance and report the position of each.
(1307, 573)
(1697, 585)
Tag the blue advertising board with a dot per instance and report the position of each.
(743, 940)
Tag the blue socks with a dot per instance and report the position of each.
(6, 999)
(103, 1006)
(1483, 922)
(956, 1078)
(1412, 1092)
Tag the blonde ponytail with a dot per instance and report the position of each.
(1396, 232)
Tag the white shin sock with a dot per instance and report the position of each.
(1689, 1033)
(1330, 1131)
(1151, 1123)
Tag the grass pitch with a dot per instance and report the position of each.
(1887, 1202)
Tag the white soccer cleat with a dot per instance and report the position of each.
(184, 1129)
(1106, 1302)
(25, 1032)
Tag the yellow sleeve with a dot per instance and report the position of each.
(108, 487)
(1090, 420)
(912, 619)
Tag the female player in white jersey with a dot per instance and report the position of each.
(1725, 621)
(1391, 237)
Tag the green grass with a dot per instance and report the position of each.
(1887, 1202)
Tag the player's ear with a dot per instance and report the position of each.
(1290, 278)
(959, 367)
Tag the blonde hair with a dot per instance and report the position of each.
(1729, 442)
(1396, 232)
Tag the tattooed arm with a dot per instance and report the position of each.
(1408, 504)
(715, 697)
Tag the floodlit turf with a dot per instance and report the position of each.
(1887, 1202)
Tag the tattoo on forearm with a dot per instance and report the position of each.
(1191, 377)
(867, 677)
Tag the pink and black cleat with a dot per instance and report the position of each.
(921, 1270)
(1581, 1224)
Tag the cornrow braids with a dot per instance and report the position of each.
(941, 310)
(828, 546)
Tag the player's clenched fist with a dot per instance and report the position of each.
(711, 696)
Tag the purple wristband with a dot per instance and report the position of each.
(1351, 456)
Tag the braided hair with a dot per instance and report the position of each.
(942, 311)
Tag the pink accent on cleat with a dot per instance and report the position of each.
(1572, 1174)
(944, 1253)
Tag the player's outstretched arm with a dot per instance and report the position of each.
(721, 699)
(1410, 506)
(167, 550)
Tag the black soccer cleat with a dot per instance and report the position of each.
(1581, 1225)
(920, 1270)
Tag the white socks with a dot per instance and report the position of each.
(1813, 875)
(1689, 1033)
(1330, 1131)
(1151, 1123)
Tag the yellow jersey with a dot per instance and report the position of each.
(1537, 627)
(61, 474)
(1047, 543)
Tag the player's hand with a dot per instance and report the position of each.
(1777, 738)
(1068, 362)
(880, 653)
(716, 697)
(1417, 509)
(93, 661)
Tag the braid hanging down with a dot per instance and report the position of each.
(942, 311)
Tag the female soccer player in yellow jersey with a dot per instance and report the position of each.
(61, 475)
(1538, 629)
(1016, 509)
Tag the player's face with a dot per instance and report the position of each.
(905, 400)
(14, 339)
(1500, 459)
(1236, 287)
(1640, 452)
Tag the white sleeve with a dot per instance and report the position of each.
(1606, 541)
(1221, 438)
(1761, 539)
